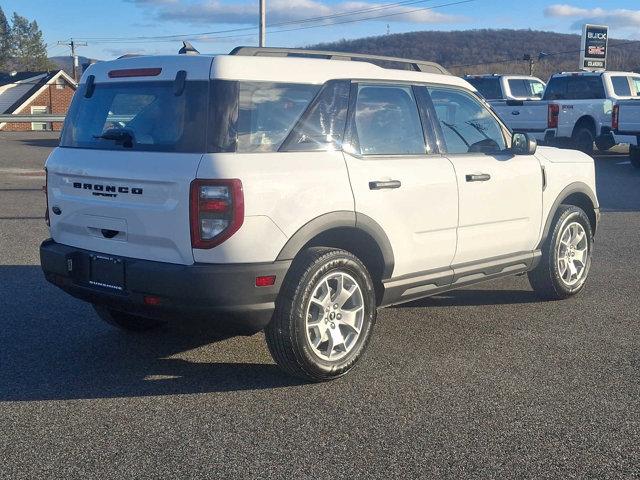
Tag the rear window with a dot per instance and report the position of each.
(575, 87)
(489, 88)
(144, 116)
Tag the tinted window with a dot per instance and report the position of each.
(575, 87)
(387, 121)
(556, 88)
(267, 113)
(621, 86)
(322, 126)
(466, 124)
(146, 116)
(489, 88)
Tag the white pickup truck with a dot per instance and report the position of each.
(580, 105)
(626, 121)
(516, 99)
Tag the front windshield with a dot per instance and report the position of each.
(146, 116)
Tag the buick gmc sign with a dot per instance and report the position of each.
(593, 55)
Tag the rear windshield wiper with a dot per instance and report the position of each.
(120, 136)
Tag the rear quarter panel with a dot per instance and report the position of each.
(282, 192)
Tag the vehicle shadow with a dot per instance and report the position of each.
(39, 142)
(54, 347)
(617, 184)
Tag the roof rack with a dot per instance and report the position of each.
(415, 65)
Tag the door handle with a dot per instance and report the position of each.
(380, 184)
(478, 177)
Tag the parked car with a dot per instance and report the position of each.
(625, 121)
(580, 107)
(298, 195)
(516, 99)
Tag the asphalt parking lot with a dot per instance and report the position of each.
(485, 382)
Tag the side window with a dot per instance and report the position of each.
(536, 88)
(636, 84)
(519, 88)
(467, 126)
(322, 126)
(621, 86)
(267, 112)
(387, 121)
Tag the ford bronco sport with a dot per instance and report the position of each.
(296, 192)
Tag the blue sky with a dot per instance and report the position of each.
(108, 26)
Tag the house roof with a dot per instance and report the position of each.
(18, 88)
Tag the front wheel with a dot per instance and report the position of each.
(324, 315)
(566, 256)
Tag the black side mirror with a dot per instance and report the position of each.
(522, 144)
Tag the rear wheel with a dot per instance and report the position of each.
(566, 256)
(634, 156)
(603, 144)
(126, 321)
(324, 315)
(582, 139)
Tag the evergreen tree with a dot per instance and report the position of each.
(5, 41)
(28, 48)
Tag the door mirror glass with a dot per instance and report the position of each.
(522, 144)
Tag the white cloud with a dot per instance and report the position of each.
(206, 12)
(616, 18)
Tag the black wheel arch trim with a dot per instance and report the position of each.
(340, 219)
(576, 187)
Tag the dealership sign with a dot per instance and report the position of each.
(594, 47)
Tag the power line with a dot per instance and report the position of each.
(386, 15)
(270, 25)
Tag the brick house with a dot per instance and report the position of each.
(32, 93)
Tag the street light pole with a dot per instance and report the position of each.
(263, 20)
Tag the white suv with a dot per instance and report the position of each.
(266, 190)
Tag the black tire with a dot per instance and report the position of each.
(634, 156)
(287, 336)
(582, 139)
(546, 278)
(126, 321)
(603, 145)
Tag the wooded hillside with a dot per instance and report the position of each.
(481, 51)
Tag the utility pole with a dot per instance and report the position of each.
(263, 20)
(73, 44)
(531, 61)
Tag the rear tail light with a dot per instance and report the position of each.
(46, 197)
(554, 112)
(217, 211)
(615, 117)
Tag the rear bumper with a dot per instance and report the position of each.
(200, 291)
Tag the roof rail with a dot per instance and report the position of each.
(415, 65)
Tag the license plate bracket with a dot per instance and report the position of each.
(106, 272)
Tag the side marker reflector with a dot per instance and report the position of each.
(265, 281)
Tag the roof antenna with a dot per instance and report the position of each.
(188, 49)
